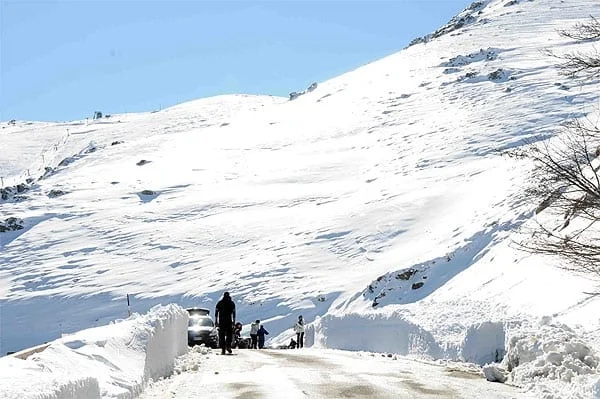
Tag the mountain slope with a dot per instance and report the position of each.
(379, 200)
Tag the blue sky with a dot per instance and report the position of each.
(64, 60)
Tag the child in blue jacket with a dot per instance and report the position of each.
(261, 336)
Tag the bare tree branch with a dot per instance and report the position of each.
(585, 31)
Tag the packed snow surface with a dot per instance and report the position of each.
(378, 205)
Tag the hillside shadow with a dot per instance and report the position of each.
(416, 282)
(9, 236)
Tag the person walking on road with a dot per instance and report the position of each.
(261, 336)
(225, 318)
(299, 329)
(254, 334)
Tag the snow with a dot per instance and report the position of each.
(493, 373)
(378, 206)
(322, 373)
(112, 361)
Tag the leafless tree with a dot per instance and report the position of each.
(566, 179)
(580, 64)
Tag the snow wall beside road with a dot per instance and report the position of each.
(112, 361)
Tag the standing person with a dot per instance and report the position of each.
(225, 317)
(261, 336)
(254, 333)
(299, 329)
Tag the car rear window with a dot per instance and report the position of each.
(201, 321)
(198, 312)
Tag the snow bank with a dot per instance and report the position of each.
(379, 332)
(374, 333)
(112, 361)
(484, 343)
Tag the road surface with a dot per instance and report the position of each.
(312, 373)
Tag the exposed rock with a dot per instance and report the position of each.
(142, 162)
(467, 17)
(11, 224)
(294, 95)
(66, 161)
(418, 285)
(498, 74)
(92, 147)
(5, 193)
(405, 275)
(47, 172)
(55, 193)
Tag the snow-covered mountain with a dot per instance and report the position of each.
(378, 206)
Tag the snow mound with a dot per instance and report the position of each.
(192, 360)
(493, 373)
(556, 355)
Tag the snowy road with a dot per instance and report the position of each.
(321, 374)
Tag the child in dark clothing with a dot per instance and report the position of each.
(261, 336)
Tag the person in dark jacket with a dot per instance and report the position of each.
(237, 334)
(225, 318)
(292, 344)
(261, 336)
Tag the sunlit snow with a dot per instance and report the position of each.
(379, 206)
